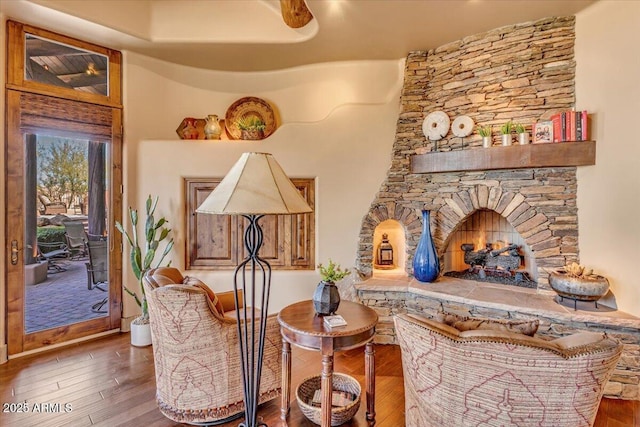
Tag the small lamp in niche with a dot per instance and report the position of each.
(384, 254)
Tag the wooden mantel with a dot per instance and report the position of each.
(512, 157)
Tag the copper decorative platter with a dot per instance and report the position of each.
(246, 107)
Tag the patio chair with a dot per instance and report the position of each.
(76, 238)
(98, 271)
(53, 253)
(47, 207)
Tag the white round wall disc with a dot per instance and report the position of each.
(462, 126)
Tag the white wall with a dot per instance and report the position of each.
(608, 86)
(338, 125)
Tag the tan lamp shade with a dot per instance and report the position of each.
(255, 185)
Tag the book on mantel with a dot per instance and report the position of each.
(334, 321)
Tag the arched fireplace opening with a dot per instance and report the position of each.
(487, 247)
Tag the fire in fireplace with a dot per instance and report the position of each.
(487, 248)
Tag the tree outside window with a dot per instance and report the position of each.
(62, 169)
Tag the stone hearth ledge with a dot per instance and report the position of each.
(500, 297)
(391, 294)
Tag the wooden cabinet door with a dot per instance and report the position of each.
(216, 241)
(273, 243)
(302, 229)
(211, 239)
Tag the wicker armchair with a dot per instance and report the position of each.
(496, 378)
(196, 356)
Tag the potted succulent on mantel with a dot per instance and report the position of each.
(326, 298)
(251, 127)
(505, 130)
(485, 133)
(523, 135)
(141, 260)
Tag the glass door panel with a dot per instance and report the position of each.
(66, 247)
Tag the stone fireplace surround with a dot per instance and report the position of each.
(524, 73)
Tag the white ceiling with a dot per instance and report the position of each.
(249, 35)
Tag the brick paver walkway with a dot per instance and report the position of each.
(62, 299)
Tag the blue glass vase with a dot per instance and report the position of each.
(426, 265)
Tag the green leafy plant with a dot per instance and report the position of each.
(519, 128)
(484, 131)
(51, 234)
(250, 123)
(332, 272)
(142, 259)
(507, 128)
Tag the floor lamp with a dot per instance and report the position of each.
(255, 186)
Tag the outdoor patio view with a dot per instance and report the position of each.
(66, 261)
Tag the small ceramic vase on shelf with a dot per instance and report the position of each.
(212, 129)
(523, 138)
(506, 139)
(190, 130)
(426, 266)
(487, 142)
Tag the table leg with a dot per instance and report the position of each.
(370, 380)
(286, 380)
(327, 389)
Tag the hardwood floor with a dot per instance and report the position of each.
(107, 382)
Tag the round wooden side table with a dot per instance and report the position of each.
(302, 327)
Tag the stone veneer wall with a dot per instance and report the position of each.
(624, 383)
(522, 72)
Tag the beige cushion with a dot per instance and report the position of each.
(464, 323)
(579, 339)
(213, 299)
(163, 276)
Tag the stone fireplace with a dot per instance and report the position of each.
(537, 206)
(520, 194)
(523, 73)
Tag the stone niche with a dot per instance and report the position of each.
(395, 233)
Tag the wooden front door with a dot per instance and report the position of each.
(49, 274)
(63, 152)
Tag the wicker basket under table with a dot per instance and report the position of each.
(339, 415)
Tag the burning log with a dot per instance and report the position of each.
(512, 249)
(507, 258)
(474, 258)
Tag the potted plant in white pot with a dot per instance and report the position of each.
(523, 135)
(485, 133)
(505, 131)
(141, 260)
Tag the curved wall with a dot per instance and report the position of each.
(337, 125)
